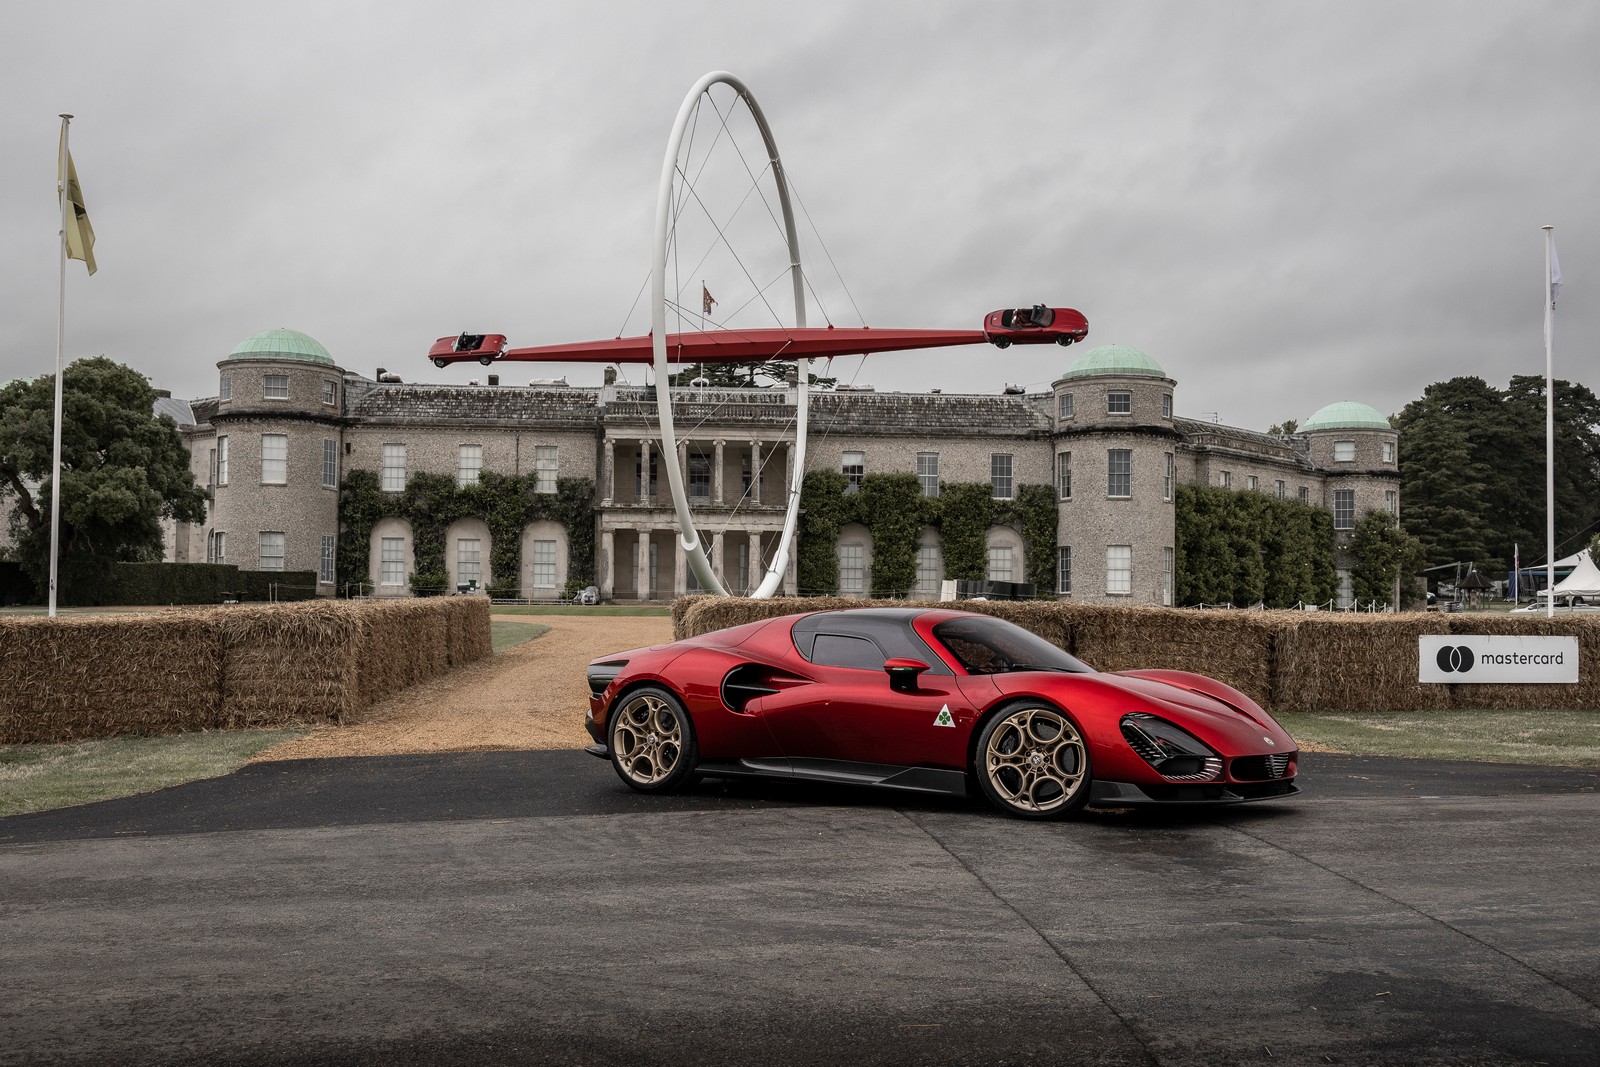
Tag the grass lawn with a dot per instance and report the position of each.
(1559, 738)
(37, 777)
(507, 634)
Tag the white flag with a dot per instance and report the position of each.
(1555, 272)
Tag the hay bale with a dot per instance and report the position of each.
(1336, 662)
(288, 664)
(1235, 647)
(1584, 694)
(67, 679)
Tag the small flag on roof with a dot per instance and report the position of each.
(706, 302)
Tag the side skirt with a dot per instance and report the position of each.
(842, 772)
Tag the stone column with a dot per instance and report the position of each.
(789, 485)
(755, 471)
(716, 472)
(641, 565)
(608, 556)
(608, 474)
(679, 564)
(716, 557)
(752, 552)
(791, 583)
(683, 465)
(644, 471)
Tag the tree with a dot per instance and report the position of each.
(744, 375)
(123, 470)
(1285, 428)
(1248, 548)
(1387, 558)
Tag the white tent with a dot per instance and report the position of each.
(1584, 579)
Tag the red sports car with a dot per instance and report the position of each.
(483, 347)
(1037, 325)
(931, 701)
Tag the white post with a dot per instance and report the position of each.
(1549, 431)
(61, 333)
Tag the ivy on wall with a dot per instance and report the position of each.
(430, 503)
(1251, 548)
(894, 511)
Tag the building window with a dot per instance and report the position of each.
(1000, 475)
(1225, 479)
(1166, 405)
(1305, 495)
(217, 551)
(1347, 593)
(1064, 406)
(1064, 570)
(1000, 563)
(1344, 509)
(394, 468)
(852, 570)
(275, 387)
(1391, 501)
(270, 555)
(325, 561)
(225, 388)
(330, 392)
(930, 572)
(928, 472)
(854, 465)
(545, 466)
(330, 462)
(1344, 451)
(1278, 485)
(1119, 472)
(1119, 570)
(1388, 452)
(222, 460)
(1250, 482)
(1119, 403)
(274, 459)
(544, 565)
(1168, 472)
(1166, 577)
(469, 462)
(392, 561)
(1064, 474)
(699, 477)
(469, 561)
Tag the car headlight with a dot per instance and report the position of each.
(1173, 753)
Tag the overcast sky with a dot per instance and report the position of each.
(1284, 204)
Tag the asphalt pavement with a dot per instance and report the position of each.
(524, 907)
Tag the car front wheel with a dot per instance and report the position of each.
(1002, 342)
(652, 741)
(440, 361)
(1032, 762)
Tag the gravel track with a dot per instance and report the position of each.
(530, 696)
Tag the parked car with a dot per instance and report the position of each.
(930, 701)
(1036, 325)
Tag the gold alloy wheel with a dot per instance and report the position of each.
(647, 739)
(1035, 760)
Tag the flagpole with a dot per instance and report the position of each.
(61, 333)
(1549, 430)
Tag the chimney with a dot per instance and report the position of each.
(381, 372)
(494, 379)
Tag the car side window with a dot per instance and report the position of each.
(837, 650)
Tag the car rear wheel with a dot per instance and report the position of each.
(1032, 762)
(486, 360)
(1002, 342)
(652, 741)
(1065, 339)
(440, 361)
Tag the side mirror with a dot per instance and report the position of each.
(903, 673)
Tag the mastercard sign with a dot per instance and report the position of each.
(1475, 660)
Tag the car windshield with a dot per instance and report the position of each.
(1043, 316)
(985, 645)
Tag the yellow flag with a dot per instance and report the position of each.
(80, 235)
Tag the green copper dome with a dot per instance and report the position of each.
(281, 344)
(1114, 359)
(1346, 415)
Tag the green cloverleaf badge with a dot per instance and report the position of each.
(943, 718)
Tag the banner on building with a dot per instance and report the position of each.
(1475, 660)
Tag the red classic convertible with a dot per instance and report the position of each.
(931, 701)
(1037, 325)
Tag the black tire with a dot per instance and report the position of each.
(652, 741)
(1002, 342)
(1065, 339)
(440, 362)
(486, 360)
(1032, 762)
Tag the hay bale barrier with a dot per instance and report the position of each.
(72, 678)
(1286, 661)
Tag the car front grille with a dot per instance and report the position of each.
(1261, 768)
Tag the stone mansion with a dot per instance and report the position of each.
(288, 424)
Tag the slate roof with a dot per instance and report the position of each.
(1202, 436)
(927, 415)
(574, 408)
